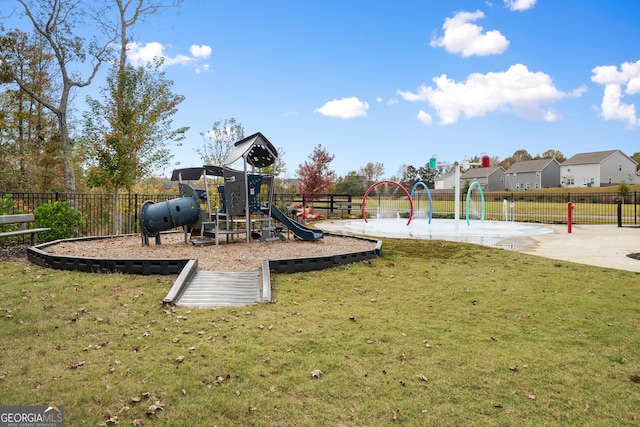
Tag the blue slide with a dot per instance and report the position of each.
(300, 231)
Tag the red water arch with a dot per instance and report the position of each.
(364, 199)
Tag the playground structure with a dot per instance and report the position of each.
(244, 202)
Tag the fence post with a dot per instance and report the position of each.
(619, 202)
(569, 216)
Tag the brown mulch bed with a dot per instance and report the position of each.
(235, 255)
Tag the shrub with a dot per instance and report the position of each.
(6, 205)
(64, 220)
(623, 190)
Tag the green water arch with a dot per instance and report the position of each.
(475, 184)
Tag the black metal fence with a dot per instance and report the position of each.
(550, 208)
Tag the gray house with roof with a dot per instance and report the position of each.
(532, 174)
(598, 169)
(490, 179)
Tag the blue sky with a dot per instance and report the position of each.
(398, 81)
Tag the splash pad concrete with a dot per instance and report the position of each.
(503, 234)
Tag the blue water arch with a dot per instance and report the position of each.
(418, 184)
(475, 184)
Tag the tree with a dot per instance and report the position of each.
(552, 154)
(314, 175)
(352, 183)
(427, 176)
(279, 167)
(218, 141)
(128, 132)
(518, 156)
(372, 172)
(129, 13)
(636, 157)
(29, 135)
(54, 21)
(408, 176)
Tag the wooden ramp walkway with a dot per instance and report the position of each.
(221, 288)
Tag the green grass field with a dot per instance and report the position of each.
(433, 333)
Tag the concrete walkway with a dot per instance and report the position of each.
(599, 245)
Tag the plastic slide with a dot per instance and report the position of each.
(300, 231)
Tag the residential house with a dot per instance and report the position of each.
(598, 169)
(532, 174)
(490, 179)
(445, 181)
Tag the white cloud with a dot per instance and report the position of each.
(202, 69)
(463, 37)
(141, 54)
(425, 118)
(345, 108)
(519, 5)
(198, 51)
(392, 101)
(517, 90)
(613, 107)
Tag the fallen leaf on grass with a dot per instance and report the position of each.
(76, 365)
(635, 378)
(513, 367)
(316, 373)
(532, 396)
(422, 378)
(154, 408)
(179, 359)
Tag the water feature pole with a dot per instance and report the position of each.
(433, 163)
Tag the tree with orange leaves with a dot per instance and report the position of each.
(314, 176)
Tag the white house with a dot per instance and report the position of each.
(598, 169)
(445, 181)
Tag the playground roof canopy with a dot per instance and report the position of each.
(194, 174)
(255, 149)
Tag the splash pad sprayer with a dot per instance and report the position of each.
(392, 183)
(433, 164)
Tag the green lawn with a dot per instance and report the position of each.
(433, 333)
